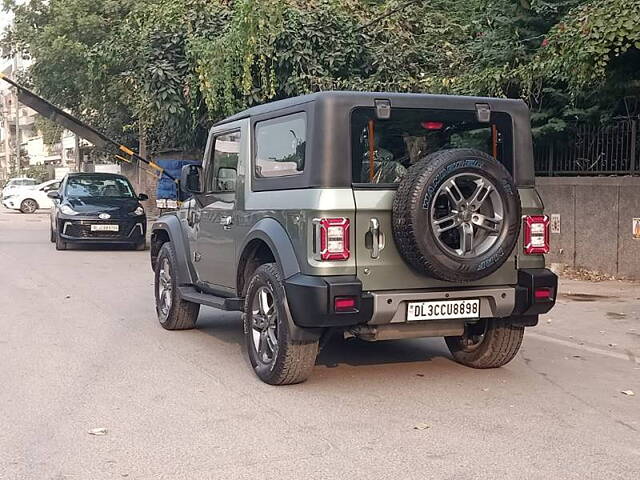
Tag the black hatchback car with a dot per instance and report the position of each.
(97, 208)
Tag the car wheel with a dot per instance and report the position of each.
(60, 243)
(490, 343)
(173, 312)
(52, 235)
(456, 215)
(140, 246)
(28, 205)
(275, 357)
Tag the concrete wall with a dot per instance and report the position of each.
(596, 218)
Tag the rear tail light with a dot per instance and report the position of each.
(331, 238)
(536, 234)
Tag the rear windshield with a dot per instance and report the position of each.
(98, 186)
(383, 150)
(21, 182)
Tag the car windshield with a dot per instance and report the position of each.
(99, 186)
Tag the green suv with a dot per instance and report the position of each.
(378, 215)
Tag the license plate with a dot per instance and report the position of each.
(444, 310)
(105, 228)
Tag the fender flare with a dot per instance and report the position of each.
(172, 225)
(271, 232)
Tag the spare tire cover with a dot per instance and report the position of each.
(456, 215)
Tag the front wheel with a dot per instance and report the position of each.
(174, 313)
(490, 343)
(60, 243)
(28, 206)
(276, 358)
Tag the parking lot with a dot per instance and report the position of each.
(81, 349)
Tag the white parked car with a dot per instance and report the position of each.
(16, 184)
(28, 200)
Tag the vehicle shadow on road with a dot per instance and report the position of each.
(356, 352)
(225, 326)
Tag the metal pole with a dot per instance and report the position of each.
(78, 155)
(7, 130)
(15, 75)
(634, 144)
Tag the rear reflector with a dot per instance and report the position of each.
(543, 293)
(536, 234)
(344, 304)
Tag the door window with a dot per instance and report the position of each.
(51, 187)
(280, 146)
(224, 163)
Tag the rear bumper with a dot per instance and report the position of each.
(311, 300)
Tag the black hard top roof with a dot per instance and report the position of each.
(401, 100)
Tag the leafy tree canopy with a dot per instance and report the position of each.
(172, 67)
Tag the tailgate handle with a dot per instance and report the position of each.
(374, 238)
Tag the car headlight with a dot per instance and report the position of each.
(67, 210)
(138, 211)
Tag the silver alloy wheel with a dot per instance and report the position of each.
(29, 206)
(467, 215)
(165, 288)
(264, 328)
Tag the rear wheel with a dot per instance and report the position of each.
(276, 358)
(174, 313)
(490, 343)
(28, 205)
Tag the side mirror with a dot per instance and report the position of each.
(54, 195)
(143, 196)
(191, 179)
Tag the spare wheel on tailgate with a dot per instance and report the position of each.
(456, 215)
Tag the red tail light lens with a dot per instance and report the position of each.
(536, 234)
(332, 238)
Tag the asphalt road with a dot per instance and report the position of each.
(80, 348)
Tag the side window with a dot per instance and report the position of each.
(51, 187)
(280, 146)
(224, 162)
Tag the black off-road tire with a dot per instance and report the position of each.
(413, 229)
(294, 360)
(29, 206)
(60, 243)
(141, 246)
(182, 315)
(499, 345)
(52, 235)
